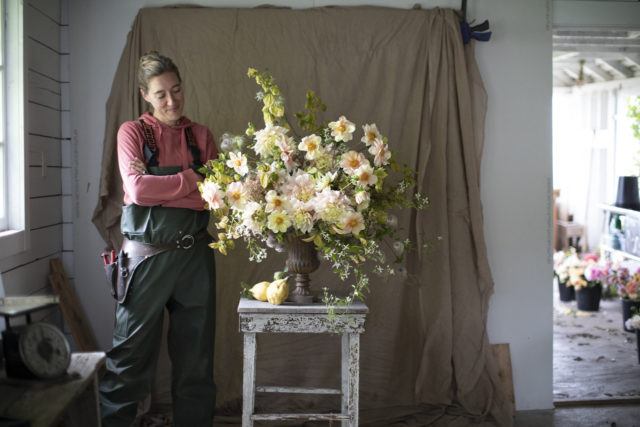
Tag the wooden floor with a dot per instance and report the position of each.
(594, 360)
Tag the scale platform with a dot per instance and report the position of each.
(17, 306)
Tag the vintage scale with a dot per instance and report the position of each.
(34, 350)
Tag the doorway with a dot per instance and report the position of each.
(595, 360)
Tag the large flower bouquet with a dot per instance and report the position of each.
(630, 289)
(271, 184)
(582, 271)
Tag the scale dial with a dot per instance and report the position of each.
(44, 350)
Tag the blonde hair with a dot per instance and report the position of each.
(153, 64)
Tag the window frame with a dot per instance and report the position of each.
(15, 238)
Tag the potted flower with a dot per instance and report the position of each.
(629, 293)
(328, 191)
(633, 324)
(562, 260)
(586, 278)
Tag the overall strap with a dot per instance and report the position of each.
(191, 141)
(150, 146)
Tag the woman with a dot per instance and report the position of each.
(164, 226)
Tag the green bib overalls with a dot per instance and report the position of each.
(183, 281)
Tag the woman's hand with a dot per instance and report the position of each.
(138, 166)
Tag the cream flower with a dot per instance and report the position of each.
(287, 151)
(301, 217)
(325, 180)
(365, 175)
(275, 202)
(268, 138)
(362, 199)
(330, 205)
(371, 134)
(353, 223)
(253, 217)
(278, 221)
(212, 194)
(351, 161)
(238, 162)
(380, 152)
(236, 195)
(342, 130)
(299, 186)
(312, 145)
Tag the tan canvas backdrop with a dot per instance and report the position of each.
(425, 354)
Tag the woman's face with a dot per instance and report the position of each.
(166, 97)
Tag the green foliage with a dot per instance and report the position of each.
(633, 112)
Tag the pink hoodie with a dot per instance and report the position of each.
(179, 190)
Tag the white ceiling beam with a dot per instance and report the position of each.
(597, 72)
(561, 79)
(633, 60)
(614, 15)
(596, 41)
(592, 34)
(586, 48)
(573, 75)
(616, 67)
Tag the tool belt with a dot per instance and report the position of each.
(133, 253)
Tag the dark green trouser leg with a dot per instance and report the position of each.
(184, 282)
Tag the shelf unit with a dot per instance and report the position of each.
(629, 213)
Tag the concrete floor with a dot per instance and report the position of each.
(626, 415)
(594, 359)
(595, 368)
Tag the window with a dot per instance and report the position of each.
(3, 139)
(13, 197)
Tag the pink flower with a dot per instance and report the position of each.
(590, 257)
(353, 223)
(351, 161)
(212, 194)
(381, 153)
(594, 273)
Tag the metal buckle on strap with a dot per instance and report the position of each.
(187, 241)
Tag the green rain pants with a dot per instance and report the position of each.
(183, 281)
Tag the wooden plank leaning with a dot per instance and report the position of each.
(71, 307)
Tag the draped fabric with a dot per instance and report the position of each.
(425, 356)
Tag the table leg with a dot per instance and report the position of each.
(350, 377)
(249, 379)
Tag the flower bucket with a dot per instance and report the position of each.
(567, 293)
(588, 298)
(628, 311)
(638, 343)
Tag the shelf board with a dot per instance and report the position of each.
(621, 211)
(618, 251)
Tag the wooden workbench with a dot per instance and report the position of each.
(72, 399)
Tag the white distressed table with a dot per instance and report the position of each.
(261, 317)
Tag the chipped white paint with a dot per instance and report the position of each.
(260, 317)
(298, 390)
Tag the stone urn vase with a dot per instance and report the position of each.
(302, 260)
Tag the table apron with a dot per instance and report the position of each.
(301, 323)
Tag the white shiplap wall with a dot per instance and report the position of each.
(47, 76)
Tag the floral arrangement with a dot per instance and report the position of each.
(270, 184)
(562, 260)
(630, 289)
(633, 322)
(580, 270)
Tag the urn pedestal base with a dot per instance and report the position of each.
(302, 259)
